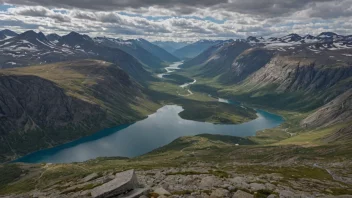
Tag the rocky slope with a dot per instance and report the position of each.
(144, 56)
(40, 109)
(170, 46)
(337, 111)
(156, 50)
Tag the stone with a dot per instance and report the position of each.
(242, 194)
(123, 182)
(240, 183)
(219, 193)
(257, 186)
(90, 177)
(161, 191)
(286, 194)
(207, 182)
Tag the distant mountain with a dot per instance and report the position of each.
(6, 34)
(327, 40)
(133, 48)
(31, 48)
(127, 62)
(156, 50)
(194, 49)
(170, 46)
(53, 38)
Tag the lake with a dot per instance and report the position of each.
(146, 135)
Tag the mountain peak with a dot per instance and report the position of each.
(33, 35)
(8, 32)
(327, 34)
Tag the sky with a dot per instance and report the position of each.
(178, 20)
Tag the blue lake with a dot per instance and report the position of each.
(146, 135)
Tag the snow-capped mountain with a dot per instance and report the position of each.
(7, 34)
(323, 41)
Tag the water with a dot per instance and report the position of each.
(146, 135)
(173, 67)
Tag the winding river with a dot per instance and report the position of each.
(143, 136)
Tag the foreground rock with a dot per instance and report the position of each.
(123, 183)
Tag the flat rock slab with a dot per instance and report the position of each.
(123, 182)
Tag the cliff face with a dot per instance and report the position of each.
(337, 111)
(291, 74)
(40, 109)
(245, 64)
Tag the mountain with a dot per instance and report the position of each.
(6, 34)
(327, 40)
(31, 48)
(217, 59)
(156, 50)
(53, 37)
(46, 105)
(170, 46)
(131, 47)
(194, 49)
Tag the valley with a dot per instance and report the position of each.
(193, 120)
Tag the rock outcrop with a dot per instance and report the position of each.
(124, 182)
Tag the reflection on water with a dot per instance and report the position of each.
(141, 137)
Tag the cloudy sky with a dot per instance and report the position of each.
(179, 20)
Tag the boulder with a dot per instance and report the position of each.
(161, 191)
(123, 182)
(90, 177)
(208, 182)
(219, 193)
(242, 194)
(257, 186)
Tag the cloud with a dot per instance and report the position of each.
(179, 19)
(39, 11)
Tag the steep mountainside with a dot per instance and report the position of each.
(144, 56)
(245, 64)
(337, 111)
(156, 50)
(47, 105)
(170, 46)
(194, 49)
(217, 60)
